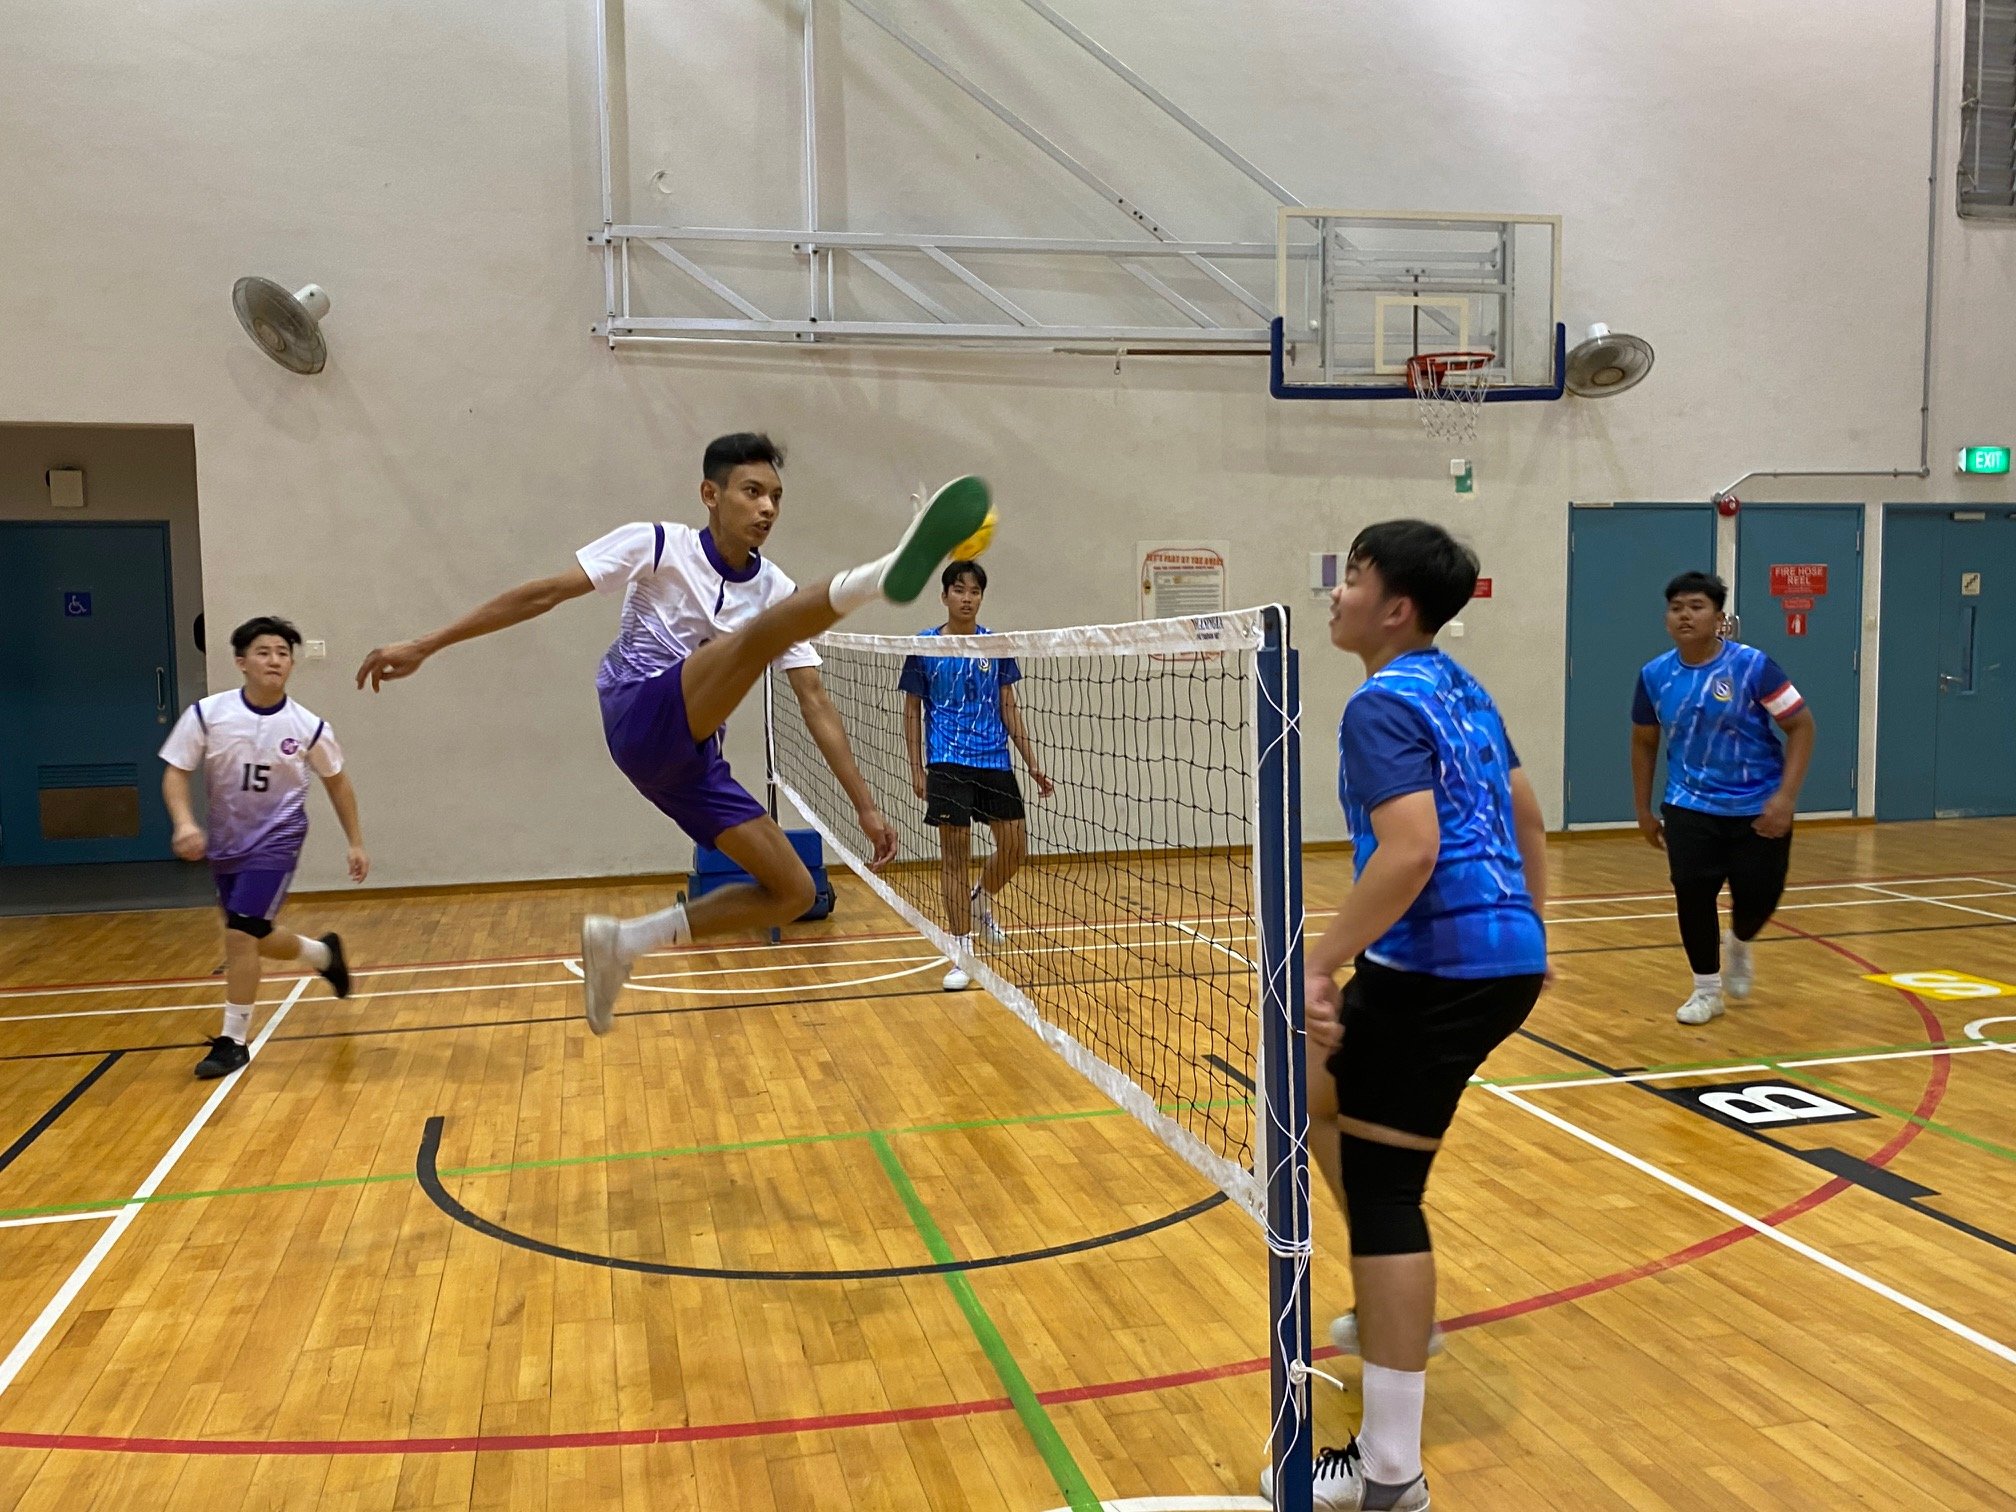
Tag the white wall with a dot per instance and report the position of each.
(1744, 185)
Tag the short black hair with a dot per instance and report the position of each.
(726, 453)
(1422, 562)
(1706, 584)
(956, 570)
(265, 624)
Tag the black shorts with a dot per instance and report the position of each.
(1412, 1042)
(957, 795)
(1720, 847)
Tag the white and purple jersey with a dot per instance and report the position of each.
(255, 765)
(678, 594)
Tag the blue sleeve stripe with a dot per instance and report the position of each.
(658, 545)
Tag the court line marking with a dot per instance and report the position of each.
(1949, 901)
(157, 984)
(1036, 1422)
(1799, 1247)
(1738, 1068)
(572, 965)
(24, 1349)
(58, 1218)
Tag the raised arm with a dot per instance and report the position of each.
(823, 720)
(511, 607)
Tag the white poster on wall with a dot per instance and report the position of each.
(1181, 578)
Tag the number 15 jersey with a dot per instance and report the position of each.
(255, 765)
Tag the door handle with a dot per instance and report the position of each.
(1948, 680)
(160, 695)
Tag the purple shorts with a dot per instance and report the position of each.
(252, 894)
(689, 780)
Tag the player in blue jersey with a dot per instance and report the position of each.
(959, 716)
(1731, 787)
(1443, 924)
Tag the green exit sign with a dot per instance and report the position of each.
(1984, 459)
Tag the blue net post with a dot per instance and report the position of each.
(1284, 1106)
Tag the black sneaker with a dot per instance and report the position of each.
(337, 972)
(226, 1055)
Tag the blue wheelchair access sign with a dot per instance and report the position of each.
(76, 605)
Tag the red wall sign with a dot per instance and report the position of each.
(1798, 578)
(1795, 622)
(1798, 603)
(1483, 588)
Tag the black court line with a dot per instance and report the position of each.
(1225, 1068)
(1853, 1169)
(426, 1172)
(57, 1109)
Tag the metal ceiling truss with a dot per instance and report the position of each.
(1197, 305)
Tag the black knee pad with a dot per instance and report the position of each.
(249, 924)
(1383, 1186)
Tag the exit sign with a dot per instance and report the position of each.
(1984, 459)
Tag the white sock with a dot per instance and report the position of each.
(1736, 949)
(314, 954)
(857, 586)
(961, 942)
(636, 937)
(1390, 1438)
(1709, 984)
(237, 1022)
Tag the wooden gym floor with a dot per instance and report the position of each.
(439, 1248)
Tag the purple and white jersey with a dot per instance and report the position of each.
(678, 594)
(255, 768)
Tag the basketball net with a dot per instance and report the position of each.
(1449, 389)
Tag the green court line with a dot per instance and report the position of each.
(1863, 1098)
(1028, 1406)
(558, 1162)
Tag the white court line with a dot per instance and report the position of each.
(1186, 929)
(1801, 907)
(1882, 1289)
(184, 983)
(1948, 902)
(57, 1218)
(59, 1304)
(1218, 1503)
(1751, 1067)
(683, 952)
(572, 965)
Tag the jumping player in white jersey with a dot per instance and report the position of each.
(256, 747)
(704, 614)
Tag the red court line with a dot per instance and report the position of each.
(1935, 1092)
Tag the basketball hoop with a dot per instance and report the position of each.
(1449, 389)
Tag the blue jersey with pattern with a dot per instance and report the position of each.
(962, 705)
(1422, 723)
(1722, 752)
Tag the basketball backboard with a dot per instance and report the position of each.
(1360, 292)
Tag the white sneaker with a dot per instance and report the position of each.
(1739, 970)
(1701, 1007)
(1344, 1334)
(1341, 1486)
(957, 980)
(602, 970)
(984, 926)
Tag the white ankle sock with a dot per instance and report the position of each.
(314, 954)
(237, 1022)
(1708, 983)
(1734, 948)
(636, 937)
(1390, 1438)
(857, 586)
